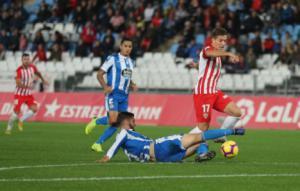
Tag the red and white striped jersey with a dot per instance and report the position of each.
(209, 73)
(26, 75)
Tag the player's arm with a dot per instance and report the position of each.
(192, 65)
(107, 65)
(115, 147)
(38, 74)
(220, 53)
(133, 86)
(20, 84)
(100, 77)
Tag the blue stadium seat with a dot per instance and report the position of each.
(174, 48)
(200, 38)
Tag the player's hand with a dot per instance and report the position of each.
(134, 87)
(234, 58)
(107, 90)
(46, 83)
(103, 160)
(191, 65)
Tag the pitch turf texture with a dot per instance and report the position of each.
(53, 156)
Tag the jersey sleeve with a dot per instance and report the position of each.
(34, 68)
(205, 50)
(18, 74)
(107, 64)
(120, 139)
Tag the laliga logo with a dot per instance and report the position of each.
(247, 107)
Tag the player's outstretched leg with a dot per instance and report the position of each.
(10, 124)
(230, 121)
(106, 135)
(213, 134)
(25, 116)
(94, 122)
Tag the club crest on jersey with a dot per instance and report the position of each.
(205, 115)
(127, 73)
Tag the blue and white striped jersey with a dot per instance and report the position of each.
(119, 72)
(135, 145)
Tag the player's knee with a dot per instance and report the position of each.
(203, 127)
(34, 109)
(237, 113)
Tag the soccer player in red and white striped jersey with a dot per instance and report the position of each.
(25, 75)
(206, 94)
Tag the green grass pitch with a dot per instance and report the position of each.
(57, 156)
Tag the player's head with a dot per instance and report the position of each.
(125, 120)
(219, 38)
(126, 46)
(25, 59)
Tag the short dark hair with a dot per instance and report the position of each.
(125, 39)
(219, 32)
(25, 54)
(122, 116)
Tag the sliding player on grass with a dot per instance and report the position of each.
(25, 75)
(207, 96)
(172, 148)
(118, 69)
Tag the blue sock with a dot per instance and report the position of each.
(216, 133)
(107, 134)
(102, 121)
(203, 148)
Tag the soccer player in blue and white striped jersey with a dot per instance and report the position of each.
(118, 69)
(172, 148)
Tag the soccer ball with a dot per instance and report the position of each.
(229, 149)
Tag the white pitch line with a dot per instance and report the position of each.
(145, 177)
(7, 168)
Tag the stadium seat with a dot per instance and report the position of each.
(50, 66)
(3, 66)
(59, 27)
(96, 62)
(37, 27)
(69, 28)
(60, 67)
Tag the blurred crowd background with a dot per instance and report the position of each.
(180, 26)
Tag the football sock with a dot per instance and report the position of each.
(11, 121)
(202, 149)
(216, 133)
(102, 120)
(107, 134)
(27, 115)
(229, 122)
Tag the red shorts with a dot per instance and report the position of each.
(204, 103)
(19, 100)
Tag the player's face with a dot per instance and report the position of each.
(25, 60)
(132, 123)
(126, 48)
(220, 42)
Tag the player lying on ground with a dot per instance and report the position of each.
(206, 94)
(25, 75)
(118, 69)
(173, 148)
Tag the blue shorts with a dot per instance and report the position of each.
(115, 102)
(169, 149)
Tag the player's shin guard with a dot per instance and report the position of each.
(27, 115)
(102, 120)
(107, 134)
